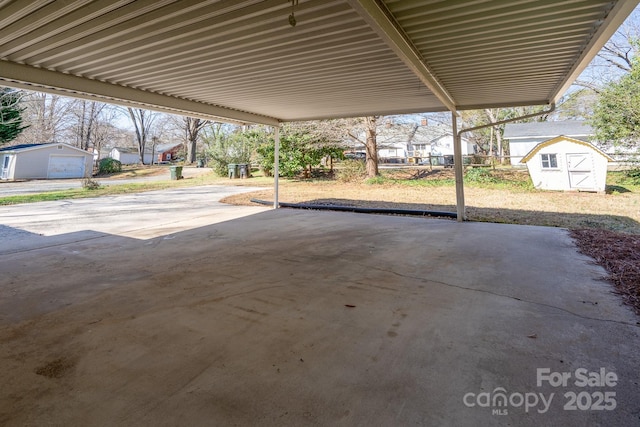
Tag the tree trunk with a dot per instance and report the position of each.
(138, 118)
(192, 128)
(371, 148)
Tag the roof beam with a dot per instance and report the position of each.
(384, 24)
(39, 79)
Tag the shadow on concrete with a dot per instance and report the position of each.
(16, 240)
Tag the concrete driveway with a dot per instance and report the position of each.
(308, 318)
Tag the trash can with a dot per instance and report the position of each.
(243, 170)
(448, 161)
(200, 163)
(233, 170)
(176, 172)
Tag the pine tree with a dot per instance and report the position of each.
(10, 115)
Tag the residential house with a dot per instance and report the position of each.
(168, 152)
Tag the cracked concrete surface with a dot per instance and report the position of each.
(311, 318)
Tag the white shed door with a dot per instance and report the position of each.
(581, 173)
(66, 167)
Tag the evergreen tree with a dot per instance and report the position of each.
(10, 115)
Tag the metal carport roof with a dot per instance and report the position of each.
(240, 60)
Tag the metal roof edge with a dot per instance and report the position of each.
(557, 139)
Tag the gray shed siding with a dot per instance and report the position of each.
(34, 163)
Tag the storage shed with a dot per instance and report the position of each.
(523, 137)
(40, 161)
(564, 163)
(130, 156)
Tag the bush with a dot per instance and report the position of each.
(90, 184)
(352, 170)
(633, 176)
(302, 148)
(229, 148)
(480, 176)
(109, 165)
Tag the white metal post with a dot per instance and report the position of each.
(276, 167)
(458, 167)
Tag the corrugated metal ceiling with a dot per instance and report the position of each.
(241, 60)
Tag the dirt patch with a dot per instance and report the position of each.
(619, 254)
(56, 368)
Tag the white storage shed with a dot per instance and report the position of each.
(564, 163)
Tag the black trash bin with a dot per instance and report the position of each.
(448, 161)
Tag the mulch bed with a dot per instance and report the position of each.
(619, 254)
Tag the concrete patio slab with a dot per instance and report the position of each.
(316, 318)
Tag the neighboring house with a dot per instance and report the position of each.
(47, 160)
(437, 142)
(523, 137)
(168, 152)
(443, 146)
(129, 155)
(410, 142)
(564, 163)
(393, 152)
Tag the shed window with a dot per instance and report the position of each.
(549, 161)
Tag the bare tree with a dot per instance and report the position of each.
(192, 128)
(489, 140)
(48, 118)
(615, 58)
(88, 116)
(142, 121)
(364, 131)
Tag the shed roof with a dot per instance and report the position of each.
(126, 150)
(38, 146)
(21, 146)
(561, 138)
(240, 60)
(572, 128)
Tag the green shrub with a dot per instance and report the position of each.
(230, 148)
(352, 170)
(480, 176)
(377, 180)
(633, 176)
(109, 165)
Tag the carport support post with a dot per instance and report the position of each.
(457, 165)
(276, 166)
